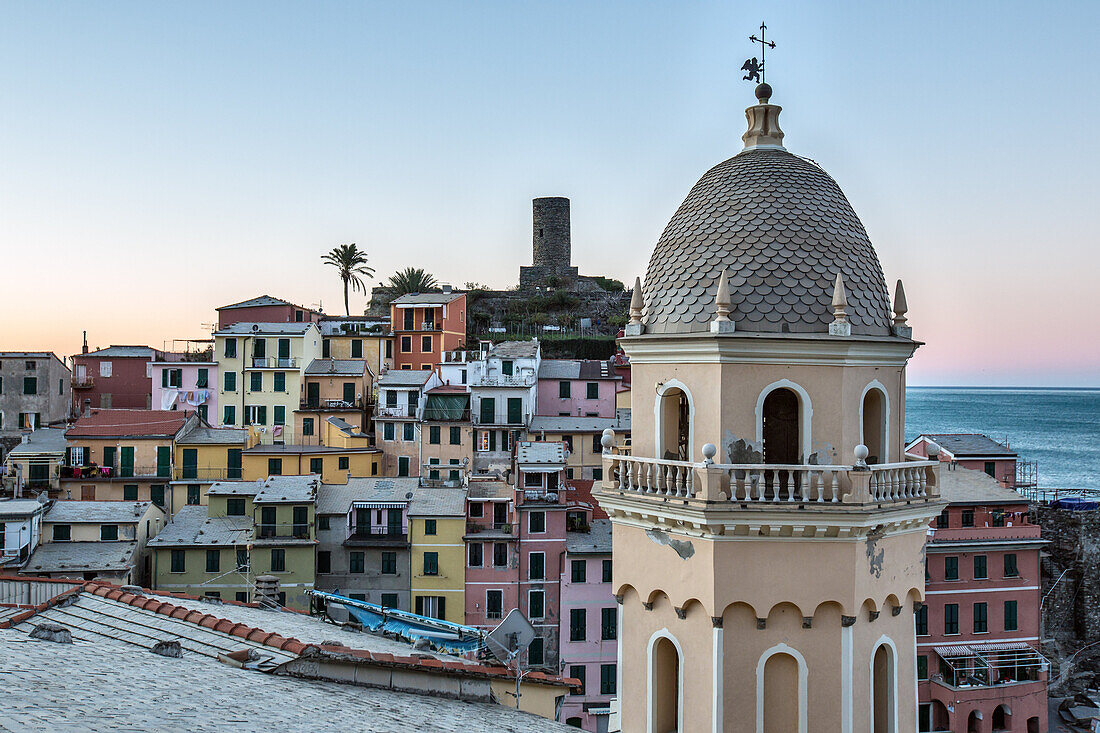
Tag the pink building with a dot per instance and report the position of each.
(974, 451)
(186, 385)
(492, 553)
(589, 627)
(978, 665)
(265, 309)
(576, 388)
(116, 377)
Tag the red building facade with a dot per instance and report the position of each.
(116, 377)
(978, 663)
(265, 309)
(424, 326)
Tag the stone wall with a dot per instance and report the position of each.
(1071, 591)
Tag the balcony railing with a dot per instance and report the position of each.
(521, 420)
(114, 472)
(503, 380)
(82, 382)
(323, 404)
(206, 473)
(282, 531)
(271, 362)
(395, 411)
(479, 526)
(376, 535)
(759, 483)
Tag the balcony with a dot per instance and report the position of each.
(114, 472)
(282, 531)
(513, 421)
(322, 404)
(771, 485)
(503, 380)
(389, 536)
(206, 473)
(395, 411)
(271, 362)
(82, 382)
(487, 529)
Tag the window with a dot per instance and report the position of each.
(30, 385)
(387, 431)
(951, 618)
(278, 561)
(500, 554)
(194, 495)
(1010, 565)
(494, 603)
(979, 568)
(234, 506)
(324, 561)
(156, 494)
(1010, 615)
(357, 348)
(105, 369)
(408, 432)
(213, 561)
(536, 601)
(431, 563)
(434, 435)
(951, 568)
(475, 555)
(507, 367)
(242, 559)
(477, 509)
(607, 679)
(357, 562)
(256, 414)
(592, 391)
(991, 468)
(299, 316)
(322, 523)
(536, 522)
(564, 390)
(280, 415)
(241, 596)
(343, 463)
(922, 620)
(944, 520)
(179, 561)
(30, 366)
(576, 671)
(403, 466)
(535, 657)
(968, 517)
(577, 571)
(578, 622)
(536, 566)
(257, 382)
(231, 348)
(307, 426)
(456, 435)
(274, 466)
(425, 344)
(280, 381)
(981, 618)
(429, 526)
(62, 533)
(229, 415)
(229, 382)
(389, 600)
(406, 344)
(532, 480)
(606, 571)
(609, 624)
(597, 473)
(430, 606)
(997, 518)
(129, 492)
(922, 667)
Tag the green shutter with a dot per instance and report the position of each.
(280, 381)
(233, 463)
(515, 410)
(164, 461)
(163, 377)
(190, 463)
(280, 415)
(262, 415)
(349, 392)
(488, 410)
(109, 456)
(126, 461)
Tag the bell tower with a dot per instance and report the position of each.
(769, 529)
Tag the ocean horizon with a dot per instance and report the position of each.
(1056, 427)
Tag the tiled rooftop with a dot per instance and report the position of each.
(191, 526)
(429, 502)
(103, 423)
(337, 367)
(596, 541)
(247, 328)
(96, 512)
(43, 440)
(426, 298)
(540, 452)
(201, 434)
(288, 490)
(404, 378)
(961, 445)
(337, 498)
(515, 349)
(80, 557)
(965, 486)
(123, 352)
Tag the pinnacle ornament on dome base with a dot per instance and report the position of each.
(635, 327)
(722, 322)
(901, 327)
(840, 325)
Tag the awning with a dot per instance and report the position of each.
(377, 505)
(447, 407)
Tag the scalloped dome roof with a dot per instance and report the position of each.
(781, 228)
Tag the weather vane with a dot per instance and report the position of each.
(754, 66)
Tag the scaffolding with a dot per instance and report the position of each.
(987, 665)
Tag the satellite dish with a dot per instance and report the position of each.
(511, 637)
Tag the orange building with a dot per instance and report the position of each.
(425, 325)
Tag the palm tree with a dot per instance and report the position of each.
(352, 263)
(412, 280)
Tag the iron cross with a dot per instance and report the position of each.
(756, 70)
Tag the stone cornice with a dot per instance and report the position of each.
(768, 349)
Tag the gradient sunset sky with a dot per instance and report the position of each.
(158, 160)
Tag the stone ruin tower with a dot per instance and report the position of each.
(551, 261)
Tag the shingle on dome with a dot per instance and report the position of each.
(782, 228)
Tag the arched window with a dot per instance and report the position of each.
(1002, 718)
(666, 679)
(883, 690)
(674, 416)
(974, 722)
(874, 413)
(781, 699)
(781, 427)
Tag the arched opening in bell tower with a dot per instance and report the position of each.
(665, 693)
(1002, 718)
(974, 722)
(674, 416)
(873, 428)
(781, 698)
(781, 427)
(883, 690)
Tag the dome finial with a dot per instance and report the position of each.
(840, 325)
(763, 132)
(637, 302)
(901, 326)
(722, 322)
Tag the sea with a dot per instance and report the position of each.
(1057, 428)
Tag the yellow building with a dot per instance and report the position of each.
(340, 388)
(581, 436)
(203, 455)
(261, 368)
(37, 461)
(346, 454)
(357, 337)
(247, 529)
(437, 523)
(122, 455)
(446, 436)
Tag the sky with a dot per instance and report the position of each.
(158, 160)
